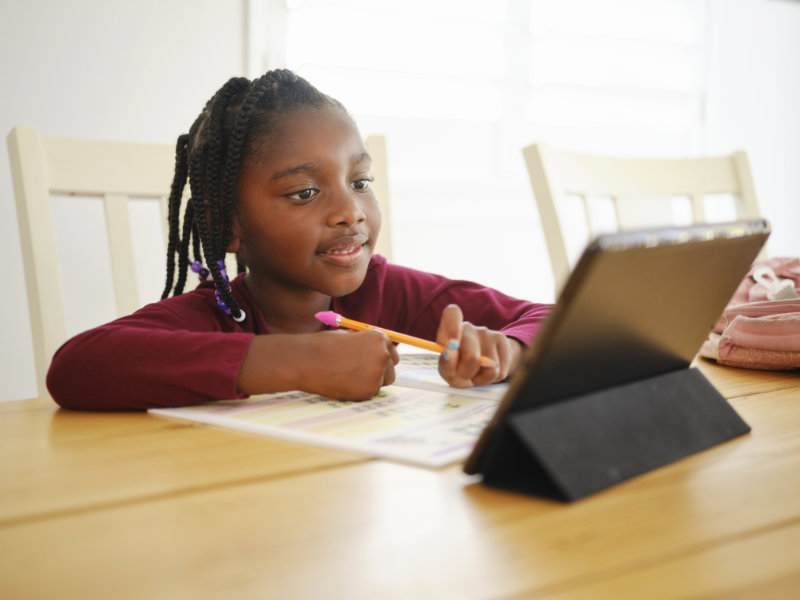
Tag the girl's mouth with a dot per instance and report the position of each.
(343, 254)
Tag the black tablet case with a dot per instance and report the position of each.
(606, 392)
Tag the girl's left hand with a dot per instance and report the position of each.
(460, 364)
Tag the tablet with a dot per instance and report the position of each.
(638, 303)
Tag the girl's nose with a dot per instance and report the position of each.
(347, 208)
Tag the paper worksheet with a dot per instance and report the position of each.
(430, 424)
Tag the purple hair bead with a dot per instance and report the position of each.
(205, 275)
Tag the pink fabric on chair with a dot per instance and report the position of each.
(757, 333)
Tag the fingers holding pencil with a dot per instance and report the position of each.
(465, 344)
(459, 364)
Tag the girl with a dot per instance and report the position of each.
(279, 175)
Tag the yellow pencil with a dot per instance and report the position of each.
(334, 319)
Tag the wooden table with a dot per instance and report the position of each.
(138, 506)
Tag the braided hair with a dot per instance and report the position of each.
(229, 129)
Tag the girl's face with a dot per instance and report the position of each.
(307, 218)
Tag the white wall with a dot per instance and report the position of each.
(754, 104)
(142, 71)
(138, 70)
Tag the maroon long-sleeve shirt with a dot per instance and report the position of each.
(184, 350)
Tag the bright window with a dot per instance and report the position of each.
(459, 87)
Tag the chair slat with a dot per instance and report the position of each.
(120, 243)
(39, 252)
(96, 168)
(376, 146)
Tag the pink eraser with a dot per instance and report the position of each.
(328, 317)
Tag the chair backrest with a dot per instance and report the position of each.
(114, 171)
(631, 185)
(376, 146)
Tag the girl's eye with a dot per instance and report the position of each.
(362, 185)
(303, 195)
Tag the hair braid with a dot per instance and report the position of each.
(214, 234)
(195, 242)
(196, 200)
(217, 147)
(174, 207)
(183, 256)
(240, 129)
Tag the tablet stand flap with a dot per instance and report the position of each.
(581, 445)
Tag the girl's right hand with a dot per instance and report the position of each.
(351, 365)
(338, 364)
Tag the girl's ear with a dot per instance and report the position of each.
(235, 243)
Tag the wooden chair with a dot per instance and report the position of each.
(115, 171)
(633, 185)
(376, 146)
